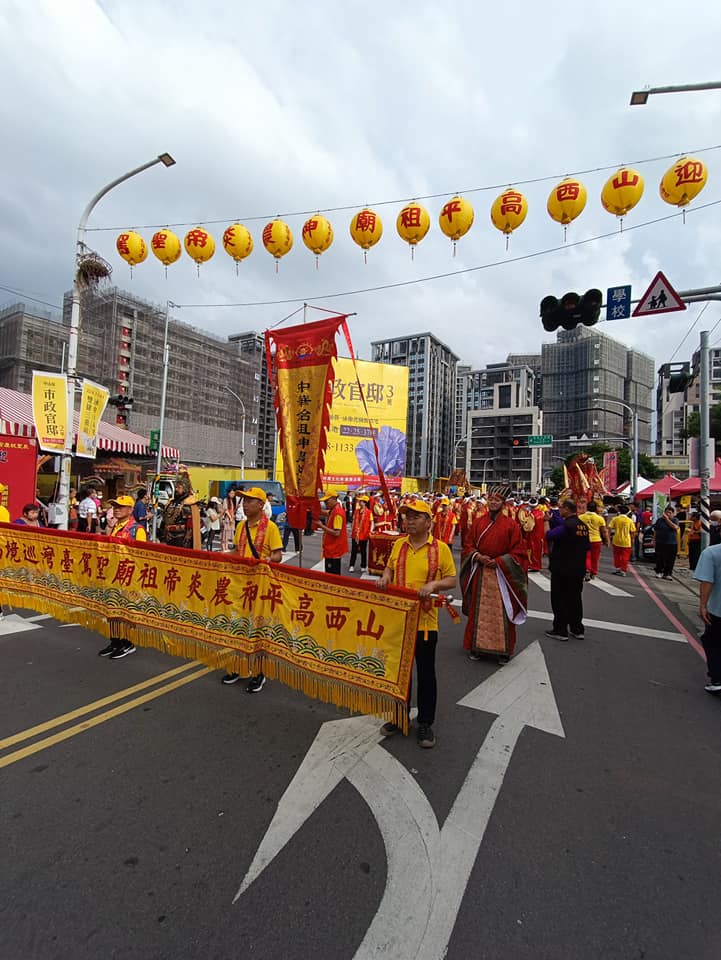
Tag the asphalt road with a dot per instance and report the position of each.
(129, 831)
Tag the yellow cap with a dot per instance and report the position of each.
(327, 496)
(254, 493)
(123, 502)
(417, 506)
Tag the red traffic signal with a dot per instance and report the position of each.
(571, 310)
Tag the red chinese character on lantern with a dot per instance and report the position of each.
(195, 582)
(229, 235)
(368, 630)
(303, 614)
(689, 172)
(273, 596)
(512, 203)
(335, 617)
(309, 226)
(101, 563)
(171, 580)
(268, 234)
(625, 178)
(411, 216)
(149, 577)
(366, 221)
(196, 238)
(221, 592)
(567, 191)
(158, 240)
(453, 206)
(122, 243)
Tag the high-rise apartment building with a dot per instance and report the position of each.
(431, 400)
(671, 409)
(580, 371)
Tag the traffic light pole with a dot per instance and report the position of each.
(161, 425)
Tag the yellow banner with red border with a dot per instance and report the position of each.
(331, 637)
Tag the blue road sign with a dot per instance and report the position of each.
(618, 303)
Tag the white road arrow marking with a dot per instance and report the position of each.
(416, 919)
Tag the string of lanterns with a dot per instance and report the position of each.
(681, 183)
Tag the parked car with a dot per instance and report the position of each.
(648, 550)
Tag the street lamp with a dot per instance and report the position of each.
(634, 442)
(640, 97)
(74, 332)
(163, 395)
(242, 436)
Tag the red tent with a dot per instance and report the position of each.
(663, 485)
(693, 484)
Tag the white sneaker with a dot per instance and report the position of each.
(364, 569)
(351, 569)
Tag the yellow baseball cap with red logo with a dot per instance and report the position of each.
(254, 493)
(417, 506)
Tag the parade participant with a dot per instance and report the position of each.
(535, 537)
(125, 528)
(335, 534)
(694, 539)
(360, 533)
(597, 535)
(665, 542)
(177, 529)
(256, 537)
(569, 546)
(444, 522)
(421, 562)
(30, 516)
(708, 573)
(494, 582)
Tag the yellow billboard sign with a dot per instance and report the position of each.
(350, 458)
(50, 410)
(92, 407)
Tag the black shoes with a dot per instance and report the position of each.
(256, 684)
(230, 678)
(390, 729)
(556, 636)
(426, 737)
(119, 652)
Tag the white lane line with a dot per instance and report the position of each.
(629, 628)
(39, 616)
(319, 566)
(62, 626)
(609, 588)
(12, 623)
(543, 582)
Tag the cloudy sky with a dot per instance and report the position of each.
(282, 108)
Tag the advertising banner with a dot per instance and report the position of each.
(332, 638)
(50, 410)
(610, 469)
(92, 406)
(18, 468)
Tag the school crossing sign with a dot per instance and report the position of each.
(659, 298)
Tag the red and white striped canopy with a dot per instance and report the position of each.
(16, 418)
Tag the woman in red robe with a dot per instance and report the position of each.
(494, 582)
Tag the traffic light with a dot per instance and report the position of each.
(121, 401)
(121, 419)
(571, 310)
(679, 382)
(518, 442)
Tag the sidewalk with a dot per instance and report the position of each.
(682, 591)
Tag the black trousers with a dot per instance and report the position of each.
(296, 537)
(426, 685)
(566, 603)
(332, 565)
(665, 558)
(694, 552)
(359, 546)
(711, 640)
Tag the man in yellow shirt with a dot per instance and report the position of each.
(258, 537)
(597, 535)
(623, 531)
(420, 562)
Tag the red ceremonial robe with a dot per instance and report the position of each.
(487, 596)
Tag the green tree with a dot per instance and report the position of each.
(693, 424)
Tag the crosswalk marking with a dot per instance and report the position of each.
(611, 589)
(543, 582)
(629, 628)
(12, 623)
(288, 556)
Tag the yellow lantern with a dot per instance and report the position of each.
(566, 201)
(317, 235)
(456, 219)
(508, 212)
(683, 181)
(277, 239)
(413, 224)
(366, 229)
(132, 248)
(622, 191)
(237, 243)
(199, 245)
(166, 247)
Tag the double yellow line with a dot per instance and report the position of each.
(99, 718)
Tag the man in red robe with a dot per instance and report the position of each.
(494, 582)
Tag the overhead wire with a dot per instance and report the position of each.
(428, 196)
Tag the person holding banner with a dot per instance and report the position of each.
(257, 537)
(126, 528)
(335, 534)
(420, 562)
